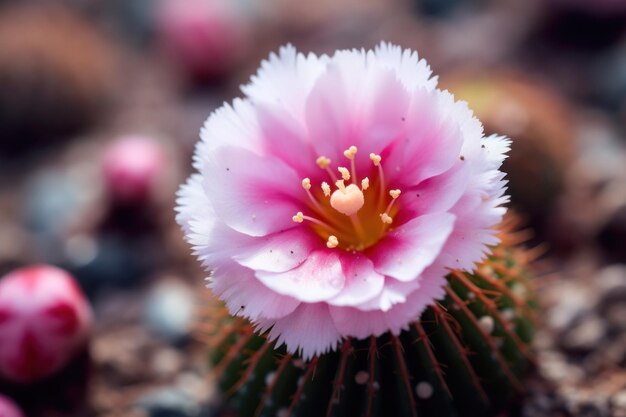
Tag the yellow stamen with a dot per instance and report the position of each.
(348, 198)
(326, 188)
(394, 195)
(322, 162)
(298, 218)
(332, 242)
(386, 218)
(345, 174)
(350, 152)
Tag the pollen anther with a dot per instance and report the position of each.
(375, 159)
(350, 152)
(394, 193)
(306, 183)
(326, 188)
(365, 183)
(345, 174)
(322, 162)
(298, 218)
(385, 218)
(332, 242)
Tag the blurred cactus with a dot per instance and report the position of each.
(465, 356)
(56, 74)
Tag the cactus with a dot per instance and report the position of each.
(465, 356)
(57, 74)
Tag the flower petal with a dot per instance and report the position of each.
(254, 195)
(278, 252)
(285, 138)
(406, 251)
(343, 113)
(351, 321)
(432, 142)
(245, 296)
(362, 282)
(436, 194)
(412, 71)
(229, 125)
(286, 79)
(309, 329)
(394, 292)
(319, 278)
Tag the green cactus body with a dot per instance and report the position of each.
(465, 356)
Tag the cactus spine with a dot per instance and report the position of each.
(465, 356)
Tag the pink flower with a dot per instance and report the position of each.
(205, 37)
(132, 168)
(8, 408)
(44, 319)
(333, 199)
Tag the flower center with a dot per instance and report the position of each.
(368, 207)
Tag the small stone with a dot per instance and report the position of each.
(611, 282)
(573, 303)
(168, 402)
(169, 310)
(586, 335)
(166, 362)
(618, 401)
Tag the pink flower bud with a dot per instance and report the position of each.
(204, 37)
(44, 320)
(8, 408)
(132, 165)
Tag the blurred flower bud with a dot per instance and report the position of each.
(8, 408)
(132, 167)
(44, 320)
(206, 38)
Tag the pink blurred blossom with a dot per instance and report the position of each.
(8, 408)
(44, 319)
(204, 37)
(333, 199)
(132, 167)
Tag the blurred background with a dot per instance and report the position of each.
(101, 102)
